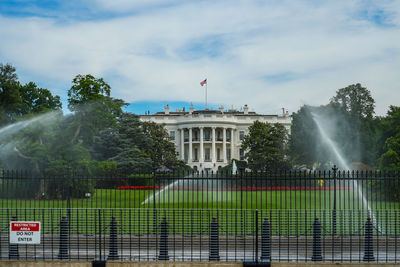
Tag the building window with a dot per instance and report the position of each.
(186, 151)
(207, 135)
(207, 154)
(196, 158)
(241, 154)
(219, 136)
(172, 135)
(228, 136)
(186, 135)
(218, 154)
(228, 154)
(241, 135)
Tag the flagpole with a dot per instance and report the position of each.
(206, 93)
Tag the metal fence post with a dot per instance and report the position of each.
(214, 241)
(63, 247)
(317, 251)
(13, 251)
(154, 204)
(113, 243)
(256, 227)
(334, 200)
(266, 241)
(369, 246)
(163, 255)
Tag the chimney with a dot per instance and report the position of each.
(166, 110)
(246, 109)
(221, 108)
(191, 109)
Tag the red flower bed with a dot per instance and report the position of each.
(139, 187)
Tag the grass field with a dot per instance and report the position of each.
(290, 212)
(188, 199)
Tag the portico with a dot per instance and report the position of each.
(200, 144)
(209, 139)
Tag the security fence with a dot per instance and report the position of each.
(275, 216)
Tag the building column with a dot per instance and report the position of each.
(182, 144)
(232, 143)
(190, 146)
(224, 144)
(213, 146)
(201, 159)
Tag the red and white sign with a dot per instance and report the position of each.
(24, 232)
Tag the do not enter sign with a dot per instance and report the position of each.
(24, 232)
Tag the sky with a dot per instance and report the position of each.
(270, 54)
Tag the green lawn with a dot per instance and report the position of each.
(190, 212)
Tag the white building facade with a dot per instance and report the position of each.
(209, 139)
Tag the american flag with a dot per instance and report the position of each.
(203, 82)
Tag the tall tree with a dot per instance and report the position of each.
(161, 149)
(38, 100)
(390, 159)
(126, 145)
(265, 146)
(356, 101)
(10, 99)
(89, 98)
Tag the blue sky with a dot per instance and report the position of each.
(267, 54)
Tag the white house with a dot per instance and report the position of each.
(209, 139)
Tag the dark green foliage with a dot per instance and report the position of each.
(265, 146)
(390, 159)
(356, 101)
(302, 141)
(348, 121)
(357, 105)
(37, 100)
(125, 144)
(86, 89)
(161, 149)
(17, 100)
(10, 99)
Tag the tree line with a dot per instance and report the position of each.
(367, 141)
(97, 137)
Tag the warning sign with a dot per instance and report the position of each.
(24, 232)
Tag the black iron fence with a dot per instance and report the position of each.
(275, 216)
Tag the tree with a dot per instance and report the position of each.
(85, 89)
(302, 141)
(38, 100)
(93, 108)
(161, 149)
(10, 99)
(356, 101)
(126, 145)
(265, 146)
(390, 159)
(18, 100)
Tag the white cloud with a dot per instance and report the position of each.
(163, 53)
